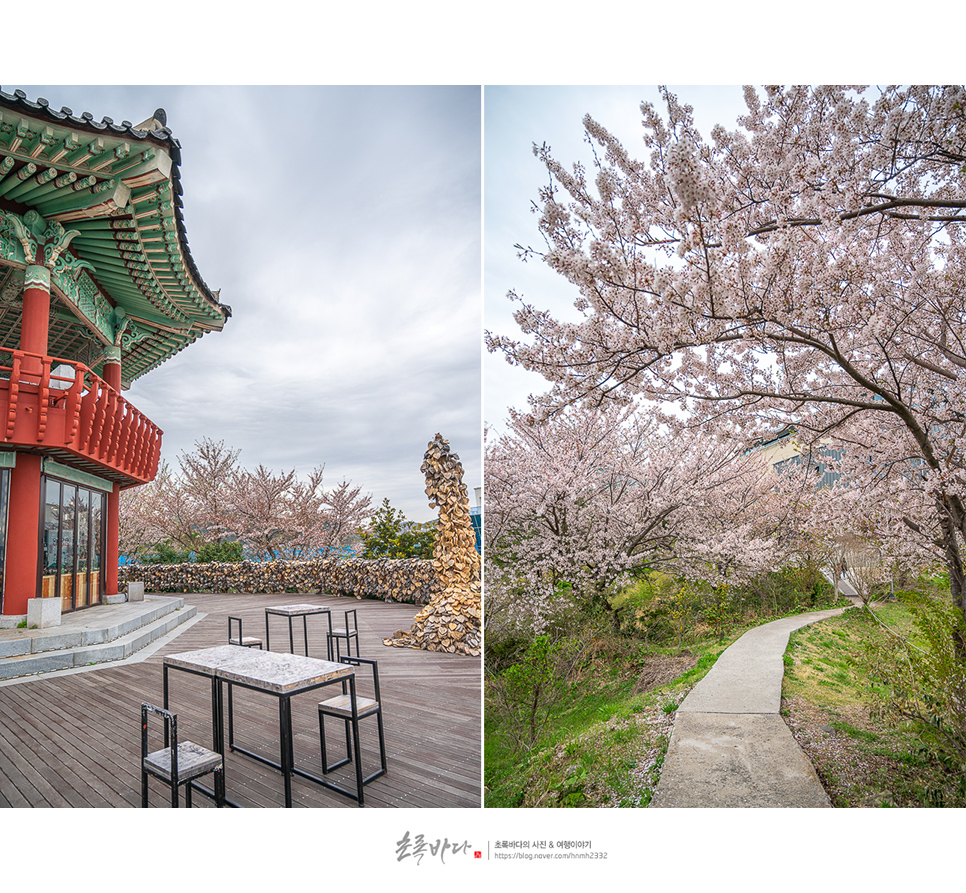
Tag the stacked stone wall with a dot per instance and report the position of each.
(449, 586)
(411, 580)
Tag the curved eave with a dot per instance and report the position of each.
(118, 188)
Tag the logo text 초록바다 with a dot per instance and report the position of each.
(417, 846)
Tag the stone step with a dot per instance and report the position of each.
(91, 636)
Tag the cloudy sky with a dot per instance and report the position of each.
(515, 119)
(343, 227)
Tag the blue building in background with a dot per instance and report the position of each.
(476, 516)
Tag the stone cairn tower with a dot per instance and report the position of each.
(451, 620)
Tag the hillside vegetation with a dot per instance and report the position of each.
(872, 723)
(582, 717)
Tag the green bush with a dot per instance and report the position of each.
(225, 551)
(792, 589)
(165, 553)
(720, 610)
(929, 686)
(168, 553)
(664, 609)
(644, 607)
(528, 691)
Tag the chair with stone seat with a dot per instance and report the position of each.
(349, 632)
(178, 764)
(341, 707)
(244, 641)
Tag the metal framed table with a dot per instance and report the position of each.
(275, 673)
(303, 611)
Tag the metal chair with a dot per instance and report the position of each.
(178, 764)
(349, 632)
(244, 641)
(341, 707)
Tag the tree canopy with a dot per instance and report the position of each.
(579, 503)
(806, 267)
(389, 534)
(214, 499)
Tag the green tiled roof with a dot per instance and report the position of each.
(127, 278)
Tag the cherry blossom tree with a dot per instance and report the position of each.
(807, 267)
(865, 520)
(215, 500)
(325, 521)
(208, 478)
(162, 511)
(277, 515)
(261, 507)
(579, 502)
(143, 521)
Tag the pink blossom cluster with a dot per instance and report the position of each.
(579, 502)
(806, 268)
(273, 514)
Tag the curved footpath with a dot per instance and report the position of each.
(730, 746)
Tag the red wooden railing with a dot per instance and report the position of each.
(81, 414)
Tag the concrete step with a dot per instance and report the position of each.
(92, 636)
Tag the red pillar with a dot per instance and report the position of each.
(112, 375)
(111, 545)
(23, 534)
(23, 528)
(36, 316)
(112, 368)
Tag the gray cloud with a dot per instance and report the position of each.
(342, 225)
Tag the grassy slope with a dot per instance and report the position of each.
(608, 741)
(831, 693)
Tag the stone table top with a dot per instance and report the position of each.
(295, 610)
(271, 671)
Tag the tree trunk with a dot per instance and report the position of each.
(957, 581)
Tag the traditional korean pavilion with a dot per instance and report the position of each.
(97, 288)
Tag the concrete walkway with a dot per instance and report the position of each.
(730, 747)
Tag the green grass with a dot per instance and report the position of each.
(859, 734)
(834, 697)
(607, 741)
(583, 749)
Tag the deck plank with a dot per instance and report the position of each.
(74, 740)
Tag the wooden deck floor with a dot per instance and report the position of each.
(74, 740)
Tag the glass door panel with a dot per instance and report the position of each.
(83, 543)
(72, 544)
(97, 544)
(68, 528)
(50, 546)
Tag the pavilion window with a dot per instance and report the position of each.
(50, 546)
(82, 586)
(98, 513)
(72, 544)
